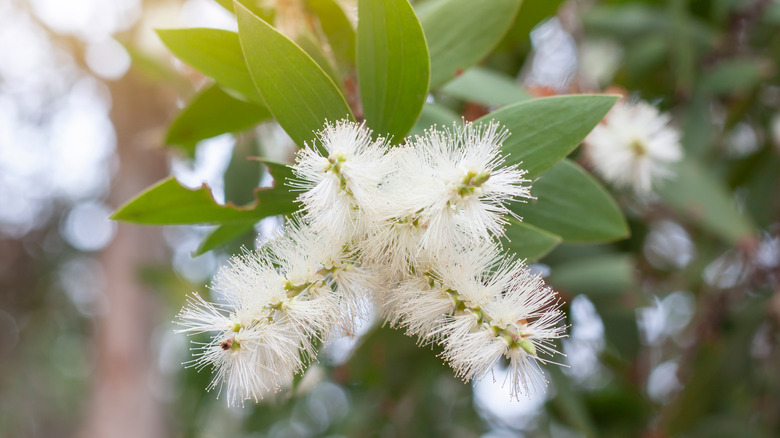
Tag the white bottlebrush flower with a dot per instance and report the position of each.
(415, 227)
(394, 244)
(481, 306)
(265, 330)
(240, 349)
(340, 175)
(421, 301)
(472, 184)
(449, 187)
(326, 266)
(504, 311)
(633, 146)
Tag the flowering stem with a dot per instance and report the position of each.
(513, 336)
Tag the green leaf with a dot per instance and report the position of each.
(393, 65)
(627, 20)
(487, 87)
(215, 53)
(702, 199)
(337, 29)
(296, 90)
(697, 130)
(546, 130)
(222, 235)
(597, 277)
(212, 112)
(461, 33)
(434, 114)
(571, 204)
(529, 242)
(168, 202)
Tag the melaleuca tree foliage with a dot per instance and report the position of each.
(407, 225)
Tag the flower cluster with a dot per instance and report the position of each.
(279, 303)
(633, 146)
(412, 228)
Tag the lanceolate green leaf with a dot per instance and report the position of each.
(215, 53)
(296, 90)
(701, 198)
(529, 242)
(546, 130)
(571, 204)
(212, 112)
(242, 175)
(485, 86)
(393, 65)
(461, 32)
(168, 202)
(223, 234)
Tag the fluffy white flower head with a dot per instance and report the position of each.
(633, 146)
(518, 317)
(340, 174)
(262, 332)
(326, 269)
(467, 179)
(413, 227)
(482, 306)
(450, 187)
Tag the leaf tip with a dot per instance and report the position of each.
(121, 214)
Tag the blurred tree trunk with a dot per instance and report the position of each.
(122, 402)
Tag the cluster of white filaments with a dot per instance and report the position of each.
(634, 146)
(412, 229)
